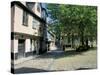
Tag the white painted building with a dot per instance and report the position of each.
(27, 24)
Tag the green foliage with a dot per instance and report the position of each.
(74, 19)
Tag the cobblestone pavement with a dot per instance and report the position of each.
(58, 60)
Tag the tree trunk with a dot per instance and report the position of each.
(82, 38)
(81, 33)
(72, 41)
(87, 42)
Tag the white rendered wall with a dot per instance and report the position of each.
(77, 42)
(14, 46)
(94, 43)
(27, 45)
(18, 25)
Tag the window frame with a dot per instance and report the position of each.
(35, 26)
(25, 18)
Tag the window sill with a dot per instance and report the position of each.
(34, 28)
(25, 25)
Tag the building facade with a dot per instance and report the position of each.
(28, 29)
(51, 40)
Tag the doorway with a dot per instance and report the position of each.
(21, 48)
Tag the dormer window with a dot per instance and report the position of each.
(38, 8)
(30, 5)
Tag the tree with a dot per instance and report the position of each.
(74, 19)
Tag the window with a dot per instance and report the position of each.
(30, 5)
(25, 18)
(69, 40)
(38, 7)
(35, 24)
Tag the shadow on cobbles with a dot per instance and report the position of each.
(59, 54)
(56, 54)
(34, 70)
(85, 68)
(28, 70)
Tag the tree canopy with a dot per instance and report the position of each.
(73, 19)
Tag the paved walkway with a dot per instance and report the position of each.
(56, 60)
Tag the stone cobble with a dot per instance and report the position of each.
(59, 60)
